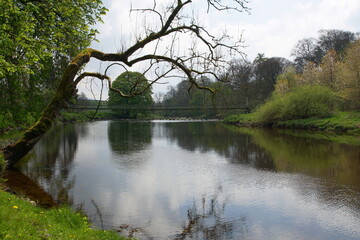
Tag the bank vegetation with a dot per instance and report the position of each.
(320, 94)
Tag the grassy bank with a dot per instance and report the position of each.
(20, 219)
(340, 122)
(83, 116)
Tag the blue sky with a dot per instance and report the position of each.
(272, 27)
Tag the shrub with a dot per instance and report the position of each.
(2, 163)
(304, 102)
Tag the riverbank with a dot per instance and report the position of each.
(22, 219)
(340, 122)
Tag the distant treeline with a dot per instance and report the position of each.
(332, 61)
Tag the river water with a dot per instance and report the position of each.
(201, 180)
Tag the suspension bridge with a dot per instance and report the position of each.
(155, 107)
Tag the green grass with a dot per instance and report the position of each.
(19, 219)
(342, 122)
(240, 119)
(347, 122)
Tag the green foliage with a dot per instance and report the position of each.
(345, 122)
(304, 102)
(130, 83)
(21, 220)
(349, 76)
(342, 122)
(83, 116)
(2, 164)
(240, 119)
(5, 121)
(37, 40)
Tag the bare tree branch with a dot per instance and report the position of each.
(208, 60)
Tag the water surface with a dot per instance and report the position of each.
(201, 180)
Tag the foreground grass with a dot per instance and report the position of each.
(343, 122)
(19, 219)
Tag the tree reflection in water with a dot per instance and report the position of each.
(126, 139)
(207, 221)
(51, 161)
(128, 136)
(237, 148)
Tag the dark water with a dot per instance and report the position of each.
(201, 180)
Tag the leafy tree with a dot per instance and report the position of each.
(240, 78)
(164, 61)
(37, 40)
(329, 75)
(337, 40)
(265, 74)
(287, 81)
(306, 51)
(349, 74)
(130, 82)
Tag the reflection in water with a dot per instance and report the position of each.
(340, 162)
(125, 137)
(53, 161)
(212, 136)
(207, 220)
(128, 141)
(22, 184)
(200, 180)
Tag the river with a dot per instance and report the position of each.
(201, 180)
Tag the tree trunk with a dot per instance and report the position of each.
(66, 90)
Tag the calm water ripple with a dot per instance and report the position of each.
(201, 180)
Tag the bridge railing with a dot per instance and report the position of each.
(153, 107)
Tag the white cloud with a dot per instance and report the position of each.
(277, 34)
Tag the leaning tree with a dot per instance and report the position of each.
(207, 55)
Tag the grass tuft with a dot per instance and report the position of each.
(22, 220)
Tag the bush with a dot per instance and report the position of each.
(304, 102)
(6, 121)
(2, 163)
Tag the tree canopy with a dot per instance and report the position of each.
(37, 40)
(313, 50)
(130, 82)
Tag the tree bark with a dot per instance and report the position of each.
(66, 90)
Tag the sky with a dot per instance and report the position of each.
(270, 27)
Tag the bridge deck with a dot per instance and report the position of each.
(153, 107)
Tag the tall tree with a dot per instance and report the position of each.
(350, 76)
(171, 24)
(266, 73)
(130, 82)
(313, 50)
(37, 40)
(337, 40)
(240, 78)
(305, 51)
